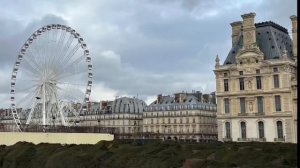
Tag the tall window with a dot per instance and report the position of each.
(279, 129)
(258, 82)
(277, 103)
(242, 84)
(226, 102)
(242, 105)
(243, 129)
(276, 81)
(261, 131)
(260, 105)
(227, 128)
(226, 88)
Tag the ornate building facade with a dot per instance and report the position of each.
(184, 116)
(6, 121)
(124, 114)
(256, 87)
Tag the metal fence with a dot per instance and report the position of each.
(69, 129)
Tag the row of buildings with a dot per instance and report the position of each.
(182, 116)
(255, 98)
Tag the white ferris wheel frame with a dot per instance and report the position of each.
(22, 54)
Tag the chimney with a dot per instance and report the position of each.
(159, 99)
(249, 35)
(179, 97)
(236, 30)
(294, 35)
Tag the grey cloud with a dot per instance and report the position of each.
(162, 46)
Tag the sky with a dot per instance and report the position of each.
(139, 48)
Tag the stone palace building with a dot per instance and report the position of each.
(184, 116)
(256, 86)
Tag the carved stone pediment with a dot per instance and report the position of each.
(287, 68)
(249, 70)
(248, 56)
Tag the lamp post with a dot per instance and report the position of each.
(98, 125)
(53, 120)
(134, 131)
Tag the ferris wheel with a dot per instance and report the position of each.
(51, 78)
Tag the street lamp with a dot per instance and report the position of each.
(98, 124)
(134, 131)
(53, 120)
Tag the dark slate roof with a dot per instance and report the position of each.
(271, 39)
(169, 100)
(128, 105)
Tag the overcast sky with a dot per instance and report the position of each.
(138, 47)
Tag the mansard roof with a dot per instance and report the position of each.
(169, 100)
(271, 39)
(128, 105)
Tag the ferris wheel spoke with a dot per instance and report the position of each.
(36, 50)
(30, 66)
(53, 48)
(70, 54)
(71, 68)
(30, 73)
(25, 99)
(74, 63)
(29, 88)
(59, 46)
(66, 47)
(31, 57)
(70, 75)
(73, 84)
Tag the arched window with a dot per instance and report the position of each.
(243, 129)
(279, 129)
(261, 130)
(227, 128)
